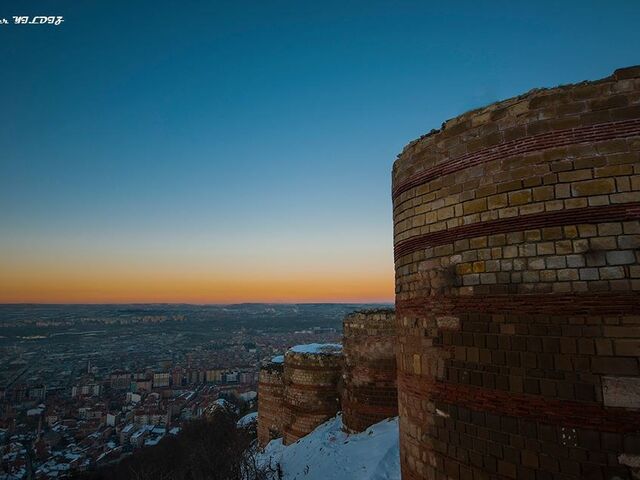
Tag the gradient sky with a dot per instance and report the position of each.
(241, 151)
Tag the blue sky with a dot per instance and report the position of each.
(249, 138)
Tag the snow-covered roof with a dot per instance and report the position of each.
(318, 348)
(150, 442)
(223, 403)
(128, 428)
(250, 395)
(248, 419)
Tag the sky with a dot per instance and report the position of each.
(241, 151)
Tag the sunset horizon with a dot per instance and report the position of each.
(287, 240)
(161, 299)
(241, 153)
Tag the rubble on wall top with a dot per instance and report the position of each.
(618, 74)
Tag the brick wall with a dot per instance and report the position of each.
(270, 404)
(517, 236)
(310, 392)
(369, 394)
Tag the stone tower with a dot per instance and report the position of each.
(517, 235)
(311, 376)
(369, 392)
(270, 413)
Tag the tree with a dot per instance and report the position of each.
(209, 449)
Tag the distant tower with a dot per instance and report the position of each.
(311, 375)
(369, 393)
(270, 407)
(39, 432)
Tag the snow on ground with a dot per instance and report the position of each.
(328, 453)
(327, 348)
(248, 419)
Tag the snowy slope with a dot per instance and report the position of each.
(328, 453)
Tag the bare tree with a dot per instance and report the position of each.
(210, 449)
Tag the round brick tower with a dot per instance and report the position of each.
(369, 394)
(270, 389)
(311, 375)
(517, 235)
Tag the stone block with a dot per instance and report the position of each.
(593, 187)
(627, 348)
(621, 257)
(621, 392)
(556, 262)
(520, 198)
(589, 274)
(629, 241)
(611, 273)
(575, 261)
(475, 206)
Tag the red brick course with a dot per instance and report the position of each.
(608, 213)
(577, 304)
(535, 143)
(535, 408)
(517, 253)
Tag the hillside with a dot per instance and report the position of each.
(329, 453)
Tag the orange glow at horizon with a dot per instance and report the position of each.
(115, 286)
(184, 269)
(355, 288)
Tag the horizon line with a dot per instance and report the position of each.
(381, 302)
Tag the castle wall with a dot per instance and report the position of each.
(310, 391)
(369, 394)
(517, 235)
(270, 404)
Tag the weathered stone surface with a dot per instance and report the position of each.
(310, 392)
(270, 406)
(527, 232)
(369, 393)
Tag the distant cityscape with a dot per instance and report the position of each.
(83, 386)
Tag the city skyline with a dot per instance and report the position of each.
(226, 153)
